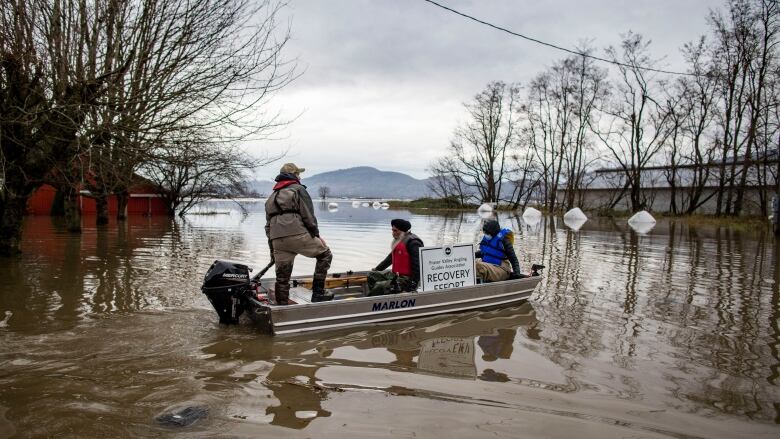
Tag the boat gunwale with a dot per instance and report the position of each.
(279, 308)
(393, 318)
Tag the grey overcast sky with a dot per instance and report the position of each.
(384, 81)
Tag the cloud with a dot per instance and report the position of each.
(384, 81)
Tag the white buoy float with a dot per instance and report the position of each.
(532, 216)
(575, 213)
(356, 204)
(365, 204)
(376, 205)
(642, 222)
(385, 206)
(575, 219)
(336, 205)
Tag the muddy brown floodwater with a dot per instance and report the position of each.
(671, 333)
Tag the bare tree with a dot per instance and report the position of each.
(223, 61)
(635, 129)
(698, 103)
(51, 57)
(525, 177)
(88, 89)
(188, 171)
(446, 180)
(559, 109)
(481, 145)
(324, 192)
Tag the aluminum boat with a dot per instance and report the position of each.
(233, 294)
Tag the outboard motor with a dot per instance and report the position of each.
(226, 285)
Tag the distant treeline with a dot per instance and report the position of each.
(707, 135)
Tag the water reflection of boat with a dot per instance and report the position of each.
(435, 345)
(448, 355)
(232, 293)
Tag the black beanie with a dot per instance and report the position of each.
(401, 224)
(491, 227)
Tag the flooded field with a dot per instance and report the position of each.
(672, 333)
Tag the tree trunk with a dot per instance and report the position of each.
(72, 210)
(12, 210)
(122, 199)
(101, 206)
(777, 194)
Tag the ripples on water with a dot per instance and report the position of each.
(673, 333)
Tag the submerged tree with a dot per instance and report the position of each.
(561, 102)
(480, 147)
(187, 170)
(634, 127)
(88, 89)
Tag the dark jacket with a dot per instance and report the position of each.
(492, 228)
(289, 210)
(413, 244)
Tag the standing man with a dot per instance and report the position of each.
(498, 260)
(405, 258)
(292, 230)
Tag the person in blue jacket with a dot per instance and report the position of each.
(497, 259)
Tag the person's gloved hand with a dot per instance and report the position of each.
(412, 286)
(513, 276)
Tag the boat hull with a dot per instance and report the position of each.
(320, 316)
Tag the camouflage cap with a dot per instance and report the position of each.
(290, 168)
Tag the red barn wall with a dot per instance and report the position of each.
(143, 201)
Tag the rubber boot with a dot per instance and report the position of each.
(282, 286)
(318, 292)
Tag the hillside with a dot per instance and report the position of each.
(358, 182)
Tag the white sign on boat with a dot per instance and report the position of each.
(447, 267)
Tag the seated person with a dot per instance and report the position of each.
(405, 258)
(497, 255)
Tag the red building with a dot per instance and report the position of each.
(144, 200)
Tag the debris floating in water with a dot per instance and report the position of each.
(642, 222)
(182, 417)
(532, 216)
(575, 219)
(575, 214)
(4, 322)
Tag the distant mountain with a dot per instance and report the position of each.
(357, 182)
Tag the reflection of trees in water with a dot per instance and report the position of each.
(686, 304)
(137, 264)
(774, 344)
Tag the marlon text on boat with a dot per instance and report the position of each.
(393, 304)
